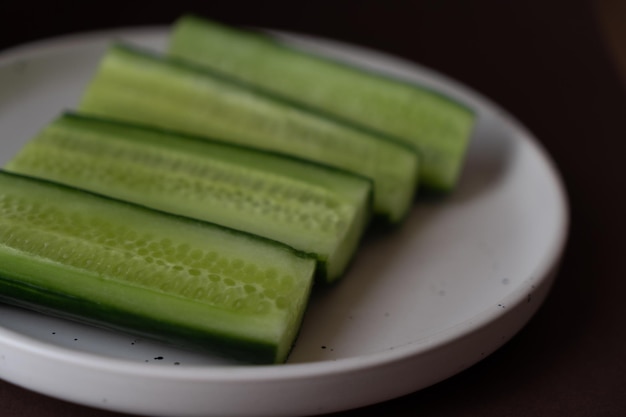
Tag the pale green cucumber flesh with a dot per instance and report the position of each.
(102, 260)
(142, 87)
(436, 125)
(314, 208)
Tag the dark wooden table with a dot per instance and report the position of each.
(549, 63)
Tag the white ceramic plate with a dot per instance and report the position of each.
(457, 281)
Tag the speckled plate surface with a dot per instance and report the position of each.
(420, 304)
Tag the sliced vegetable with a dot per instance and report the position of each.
(142, 87)
(314, 208)
(81, 255)
(436, 125)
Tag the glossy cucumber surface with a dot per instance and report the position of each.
(437, 126)
(143, 87)
(314, 208)
(77, 254)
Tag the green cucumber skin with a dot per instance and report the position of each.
(64, 283)
(99, 144)
(439, 127)
(143, 87)
(62, 305)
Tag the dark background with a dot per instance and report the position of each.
(555, 66)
